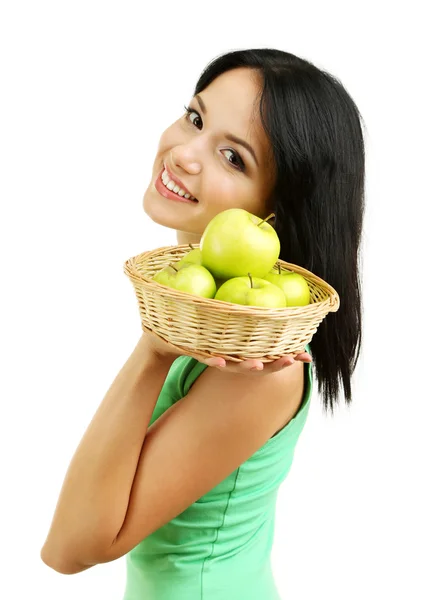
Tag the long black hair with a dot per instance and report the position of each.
(317, 141)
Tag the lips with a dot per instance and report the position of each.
(170, 195)
(178, 182)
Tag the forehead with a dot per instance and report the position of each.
(232, 101)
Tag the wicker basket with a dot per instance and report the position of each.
(208, 327)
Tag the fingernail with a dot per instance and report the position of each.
(256, 369)
(215, 363)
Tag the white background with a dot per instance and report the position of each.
(87, 89)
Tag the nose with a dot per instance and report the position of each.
(183, 158)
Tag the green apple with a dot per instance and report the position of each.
(219, 282)
(192, 258)
(251, 291)
(236, 242)
(294, 286)
(192, 279)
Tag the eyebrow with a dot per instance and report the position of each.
(231, 137)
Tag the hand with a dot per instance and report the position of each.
(254, 365)
(165, 350)
(161, 349)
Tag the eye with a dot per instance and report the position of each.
(190, 112)
(194, 118)
(238, 163)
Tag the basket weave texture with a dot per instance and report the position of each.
(212, 328)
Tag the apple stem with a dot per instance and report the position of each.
(251, 280)
(267, 219)
(191, 246)
(173, 267)
(279, 269)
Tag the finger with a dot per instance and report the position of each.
(245, 366)
(215, 362)
(251, 365)
(256, 366)
(283, 362)
(304, 357)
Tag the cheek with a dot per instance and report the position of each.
(229, 191)
(225, 186)
(170, 138)
(221, 188)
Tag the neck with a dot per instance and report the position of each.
(183, 237)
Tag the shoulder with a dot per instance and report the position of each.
(269, 400)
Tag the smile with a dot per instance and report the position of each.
(171, 185)
(171, 190)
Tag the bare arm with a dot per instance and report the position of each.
(94, 498)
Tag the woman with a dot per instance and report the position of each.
(183, 478)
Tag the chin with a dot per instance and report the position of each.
(159, 214)
(170, 214)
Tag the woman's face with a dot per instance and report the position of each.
(205, 153)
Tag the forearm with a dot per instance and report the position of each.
(94, 497)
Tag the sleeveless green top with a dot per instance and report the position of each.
(219, 548)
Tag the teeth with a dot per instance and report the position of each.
(172, 186)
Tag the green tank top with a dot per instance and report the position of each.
(219, 548)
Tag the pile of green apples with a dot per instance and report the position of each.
(236, 263)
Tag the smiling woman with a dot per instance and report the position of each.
(180, 467)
